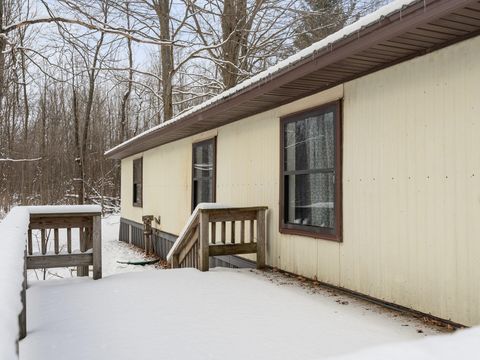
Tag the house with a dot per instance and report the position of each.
(365, 147)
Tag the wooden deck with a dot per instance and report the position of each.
(188, 314)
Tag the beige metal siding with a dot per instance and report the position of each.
(166, 185)
(128, 210)
(411, 184)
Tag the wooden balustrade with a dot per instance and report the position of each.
(26, 224)
(88, 225)
(202, 237)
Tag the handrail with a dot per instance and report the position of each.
(16, 255)
(198, 240)
(179, 244)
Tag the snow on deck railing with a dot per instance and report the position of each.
(13, 235)
(65, 209)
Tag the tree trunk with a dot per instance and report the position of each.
(126, 96)
(233, 28)
(162, 8)
(3, 44)
(25, 124)
(82, 144)
(43, 148)
(79, 174)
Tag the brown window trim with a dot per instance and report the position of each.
(311, 231)
(140, 203)
(212, 140)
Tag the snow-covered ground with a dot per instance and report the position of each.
(463, 345)
(223, 313)
(112, 251)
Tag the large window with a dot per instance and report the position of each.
(311, 173)
(203, 172)
(137, 182)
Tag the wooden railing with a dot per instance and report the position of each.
(206, 235)
(17, 253)
(86, 222)
(86, 218)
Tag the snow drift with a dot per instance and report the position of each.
(13, 233)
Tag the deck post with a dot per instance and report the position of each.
(97, 247)
(30, 248)
(261, 236)
(175, 263)
(203, 253)
(147, 233)
(44, 242)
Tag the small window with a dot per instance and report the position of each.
(311, 173)
(137, 182)
(203, 172)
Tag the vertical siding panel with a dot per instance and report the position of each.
(472, 202)
(468, 190)
(450, 214)
(414, 154)
(401, 183)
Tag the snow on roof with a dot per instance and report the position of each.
(394, 6)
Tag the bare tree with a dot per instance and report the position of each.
(162, 9)
(319, 18)
(253, 34)
(126, 96)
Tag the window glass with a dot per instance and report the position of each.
(203, 174)
(310, 170)
(309, 143)
(202, 191)
(311, 199)
(137, 181)
(203, 160)
(137, 193)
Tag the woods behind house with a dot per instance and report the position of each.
(78, 77)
